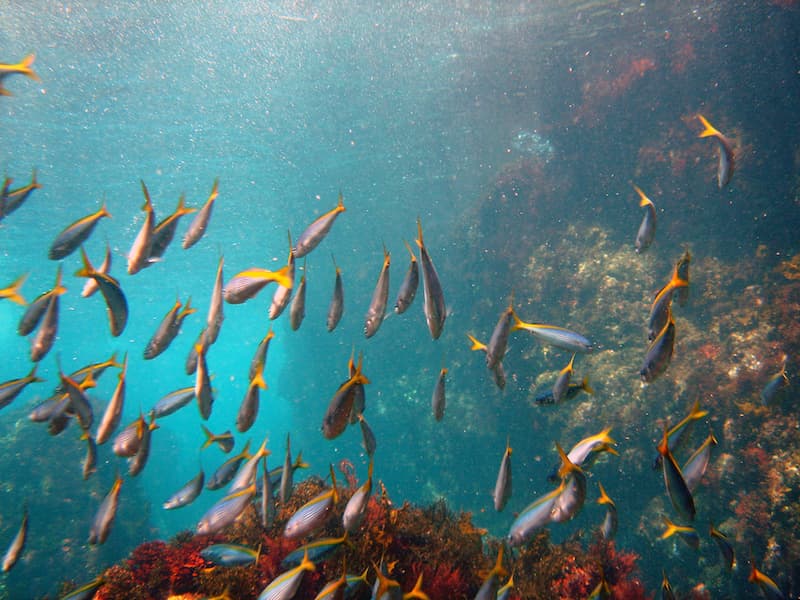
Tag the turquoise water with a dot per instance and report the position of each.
(410, 110)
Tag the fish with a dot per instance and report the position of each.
(602, 590)
(187, 494)
(609, 527)
(127, 442)
(659, 352)
(224, 440)
(9, 390)
(727, 157)
(687, 534)
(562, 382)
(93, 369)
(248, 409)
(768, 587)
(659, 310)
(533, 517)
(86, 591)
(297, 308)
(573, 389)
(775, 384)
(310, 517)
(164, 232)
(16, 198)
(647, 229)
(191, 359)
(45, 409)
(695, 467)
(336, 307)
(434, 305)
(334, 590)
(723, 544)
(137, 462)
(498, 372)
(677, 433)
(502, 486)
(316, 232)
(438, 401)
(21, 68)
(504, 593)
(339, 409)
(498, 342)
(682, 270)
(666, 588)
(200, 222)
(389, 589)
(246, 284)
(173, 401)
(139, 254)
(491, 583)
(78, 400)
(17, 544)
(259, 360)
(267, 497)
(409, 285)
(570, 501)
(116, 303)
(368, 437)
(12, 291)
(317, 551)
(73, 236)
(359, 394)
(554, 335)
(91, 287)
(168, 329)
(227, 470)
(58, 419)
(215, 315)
(593, 443)
(104, 517)
(225, 512)
(35, 310)
(376, 312)
(246, 474)
(90, 462)
(285, 585)
(45, 336)
(283, 293)
(286, 474)
(230, 555)
(202, 383)
(678, 491)
(356, 508)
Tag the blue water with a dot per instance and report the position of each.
(410, 110)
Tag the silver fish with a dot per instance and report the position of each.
(336, 307)
(139, 255)
(316, 232)
(435, 308)
(376, 312)
(502, 487)
(409, 285)
(215, 312)
(647, 229)
(187, 494)
(200, 222)
(297, 309)
(104, 518)
(17, 544)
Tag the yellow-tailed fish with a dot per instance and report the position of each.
(12, 292)
(283, 293)
(602, 591)
(58, 419)
(434, 306)
(438, 400)
(202, 383)
(376, 312)
(86, 591)
(78, 400)
(127, 442)
(90, 287)
(359, 395)
(116, 303)
(248, 409)
(259, 360)
(297, 308)
(215, 313)
(287, 473)
(498, 343)
(573, 389)
(535, 516)
(227, 470)
(23, 67)
(173, 401)
(104, 517)
(389, 589)
(137, 462)
(682, 269)
(73, 236)
(491, 583)
(504, 593)
(687, 534)
(168, 328)
(267, 497)
(285, 585)
(139, 254)
(246, 475)
(187, 493)
(723, 544)
(768, 587)
(562, 381)
(17, 544)
(191, 358)
(340, 407)
(93, 369)
(554, 335)
(164, 232)
(647, 229)
(90, 462)
(609, 526)
(200, 222)
(226, 511)
(678, 433)
(35, 311)
(666, 588)
(727, 158)
(356, 507)
(498, 372)
(367, 436)
(659, 310)
(594, 443)
(336, 307)
(246, 284)
(45, 336)
(317, 551)
(502, 486)
(230, 555)
(310, 517)
(334, 590)
(570, 501)
(16, 198)
(678, 491)
(45, 409)
(316, 232)
(775, 384)
(409, 285)
(9, 390)
(695, 467)
(659, 352)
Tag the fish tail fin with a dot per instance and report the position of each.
(696, 412)
(643, 199)
(281, 277)
(12, 292)
(103, 212)
(567, 466)
(419, 240)
(209, 437)
(25, 67)
(663, 446)
(476, 345)
(258, 378)
(32, 375)
(340, 204)
(34, 179)
(605, 437)
(410, 251)
(586, 387)
(214, 191)
(604, 497)
(59, 289)
(708, 129)
(182, 208)
(299, 463)
(187, 309)
(672, 529)
(518, 323)
(417, 592)
(148, 204)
